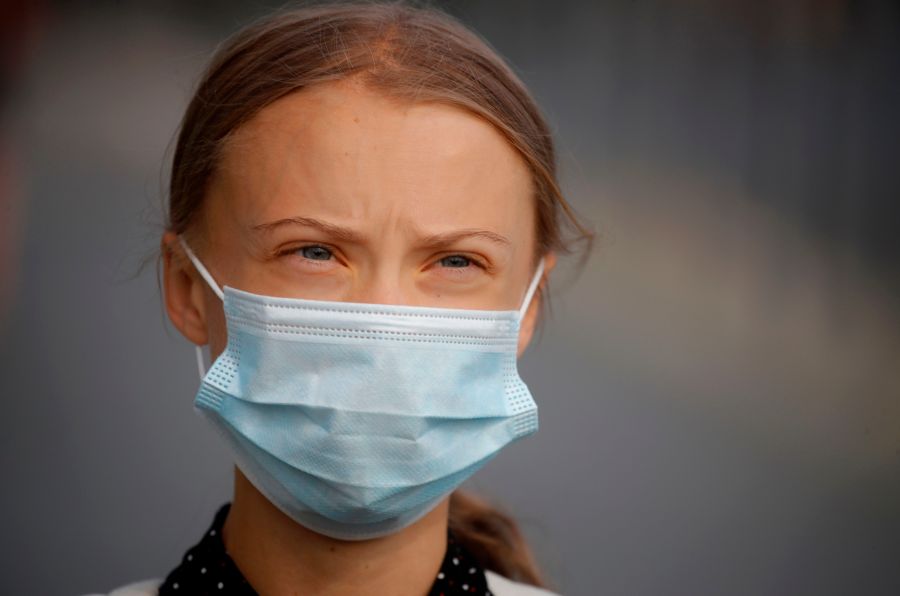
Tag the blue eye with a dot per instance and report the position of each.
(316, 253)
(456, 261)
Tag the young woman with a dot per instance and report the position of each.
(363, 212)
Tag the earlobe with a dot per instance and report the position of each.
(183, 291)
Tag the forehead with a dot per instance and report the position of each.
(343, 151)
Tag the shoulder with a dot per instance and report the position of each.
(501, 586)
(148, 587)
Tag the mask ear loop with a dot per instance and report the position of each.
(204, 273)
(532, 288)
(201, 269)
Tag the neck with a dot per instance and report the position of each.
(279, 556)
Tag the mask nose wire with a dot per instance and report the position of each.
(532, 288)
(204, 273)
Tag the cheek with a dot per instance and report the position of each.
(527, 328)
(215, 325)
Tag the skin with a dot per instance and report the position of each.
(339, 193)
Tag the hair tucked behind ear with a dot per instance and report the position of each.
(416, 54)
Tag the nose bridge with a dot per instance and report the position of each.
(385, 279)
(383, 284)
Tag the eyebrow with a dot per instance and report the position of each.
(332, 230)
(348, 235)
(447, 238)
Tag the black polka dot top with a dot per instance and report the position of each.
(207, 569)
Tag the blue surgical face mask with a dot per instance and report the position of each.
(356, 420)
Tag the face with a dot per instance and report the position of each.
(339, 193)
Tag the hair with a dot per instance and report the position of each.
(405, 52)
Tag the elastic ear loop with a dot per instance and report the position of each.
(532, 288)
(204, 273)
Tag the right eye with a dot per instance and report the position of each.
(315, 252)
(456, 261)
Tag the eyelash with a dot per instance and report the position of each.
(297, 249)
(471, 260)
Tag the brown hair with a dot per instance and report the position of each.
(406, 52)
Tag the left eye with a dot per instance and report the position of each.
(456, 261)
(316, 253)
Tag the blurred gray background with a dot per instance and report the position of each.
(719, 390)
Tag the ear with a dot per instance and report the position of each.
(529, 321)
(184, 291)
